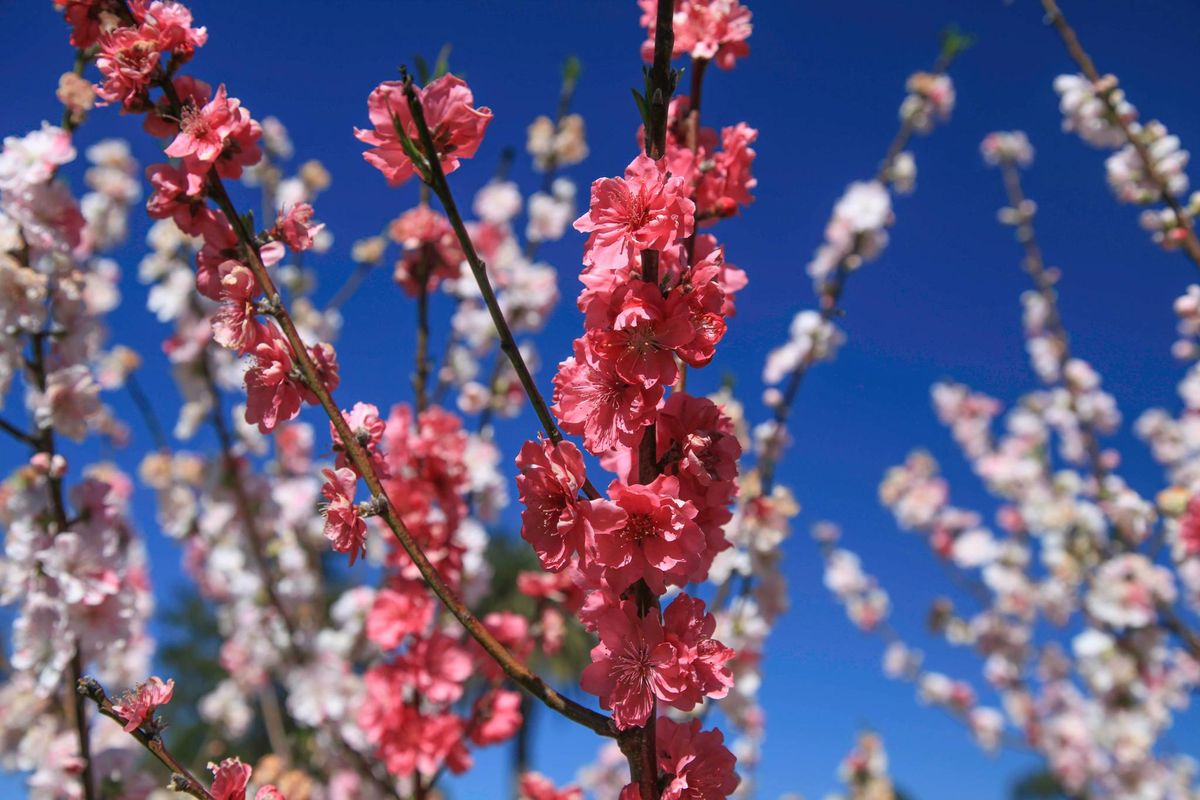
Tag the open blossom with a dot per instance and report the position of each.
(555, 521)
(34, 158)
(857, 231)
(219, 133)
(295, 227)
(454, 124)
(397, 613)
(535, 786)
(368, 429)
(697, 762)
(344, 526)
(712, 30)
(170, 24)
(1085, 112)
(230, 779)
(128, 60)
(1127, 589)
(499, 717)
(70, 402)
(702, 659)
(639, 331)
(138, 707)
(658, 540)
(273, 393)
(430, 247)
(930, 98)
(592, 400)
(235, 325)
(647, 209)
(632, 665)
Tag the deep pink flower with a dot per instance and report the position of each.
(456, 127)
(368, 429)
(436, 666)
(555, 521)
(593, 401)
(128, 59)
(497, 717)
(702, 659)
(273, 393)
(698, 764)
(535, 786)
(430, 249)
(219, 133)
(658, 542)
(170, 24)
(230, 779)
(714, 30)
(639, 331)
(138, 707)
(235, 324)
(84, 18)
(399, 612)
(344, 526)
(177, 195)
(647, 209)
(632, 665)
(295, 227)
(698, 444)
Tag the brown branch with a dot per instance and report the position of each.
(1058, 20)
(182, 780)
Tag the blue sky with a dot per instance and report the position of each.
(822, 83)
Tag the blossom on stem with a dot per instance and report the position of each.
(345, 528)
(138, 706)
(455, 125)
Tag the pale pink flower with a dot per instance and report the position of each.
(344, 526)
(647, 209)
(34, 157)
(454, 124)
(69, 403)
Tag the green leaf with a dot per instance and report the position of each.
(954, 41)
(442, 65)
(572, 68)
(643, 108)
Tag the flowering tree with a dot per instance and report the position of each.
(373, 631)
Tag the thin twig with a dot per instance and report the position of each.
(1058, 20)
(182, 780)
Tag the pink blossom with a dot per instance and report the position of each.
(138, 707)
(128, 60)
(658, 542)
(713, 30)
(431, 249)
(455, 126)
(632, 665)
(344, 527)
(638, 332)
(230, 779)
(177, 195)
(555, 521)
(1189, 527)
(273, 392)
(219, 133)
(698, 763)
(235, 324)
(536, 786)
(702, 659)
(35, 157)
(295, 227)
(497, 717)
(436, 666)
(170, 24)
(647, 209)
(396, 613)
(368, 429)
(593, 401)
